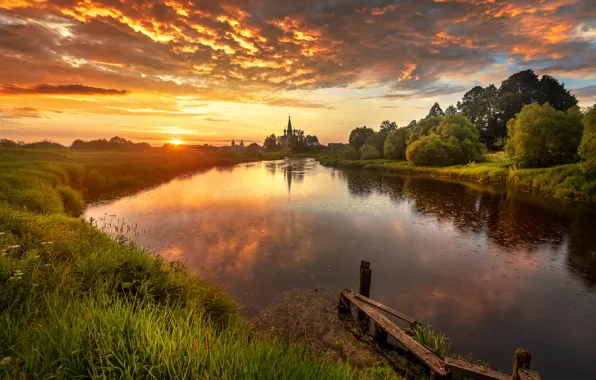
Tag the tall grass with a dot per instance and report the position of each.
(434, 341)
(75, 303)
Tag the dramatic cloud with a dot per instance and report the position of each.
(261, 51)
(48, 89)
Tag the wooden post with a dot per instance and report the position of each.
(380, 335)
(365, 277)
(343, 307)
(364, 285)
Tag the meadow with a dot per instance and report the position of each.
(76, 303)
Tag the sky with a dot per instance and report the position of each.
(214, 70)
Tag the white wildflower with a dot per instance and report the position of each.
(47, 242)
(2, 233)
(5, 360)
(13, 246)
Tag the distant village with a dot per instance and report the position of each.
(292, 139)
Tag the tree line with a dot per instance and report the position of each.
(296, 143)
(535, 120)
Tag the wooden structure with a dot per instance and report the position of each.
(371, 310)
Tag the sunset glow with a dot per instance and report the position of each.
(227, 69)
(176, 141)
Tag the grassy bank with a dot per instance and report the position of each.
(76, 304)
(572, 181)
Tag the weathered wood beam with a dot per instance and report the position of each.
(424, 354)
(389, 310)
(473, 371)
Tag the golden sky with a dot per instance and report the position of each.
(209, 71)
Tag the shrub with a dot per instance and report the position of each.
(455, 140)
(350, 153)
(541, 136)
(377, 140)
(430, 150)
(95, 181)
(72, 200)
(43, 200)
(395, 144)
(369, 152)
(587, 148)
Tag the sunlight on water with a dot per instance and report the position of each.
(494, 271)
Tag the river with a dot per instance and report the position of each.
(494, 270)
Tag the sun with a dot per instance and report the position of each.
(176, 141)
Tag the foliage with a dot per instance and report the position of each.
(435, 110)
(350, 153)
(455, 140)
(451, 110)
(270, 144)
(480, 106)
(430, 150)
(395, 144)
(115, 143)
(587, 147)
(541, 136)
(73, 202)
(369, 152)
(436, 342)
(377, 140)
(423, 128)
(387, 126)
(358, 136)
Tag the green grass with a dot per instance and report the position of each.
(75, 303)
(574, 181)
(436, 342)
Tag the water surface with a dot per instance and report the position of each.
(493, 270)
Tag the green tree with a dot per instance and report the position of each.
(455, 140)
(350, 153)
(388, 126)
(587, 148)
(451, 110)
(395, 144)
(270, 144)
(369, 152)
(480, 106)
(423, 128)
(541, 136)
(358, 136)
(377, 139)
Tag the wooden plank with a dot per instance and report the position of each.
(389, 310)
(530, 375)
(473, 371)
(424, 354)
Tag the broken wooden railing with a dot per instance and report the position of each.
(371, 310)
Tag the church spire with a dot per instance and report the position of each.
(290, 132)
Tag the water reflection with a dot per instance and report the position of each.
(492, 269)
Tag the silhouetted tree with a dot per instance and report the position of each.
(358, 136)
(451, 110)
(270, 143)
(436, 110)
(387, 126)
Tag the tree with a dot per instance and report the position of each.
(377, 139)
(369, 152)
(451, 110)
(350, 153)
(455, 140)
(587, 148)
(358, 136)
(555, 94)
(253, 148)
(387, 126)
(423, 128)
(541, 136)
(480, 106)
(436, 110)
(270, 144)
(311, 139)
(395, 144)
(411, 125)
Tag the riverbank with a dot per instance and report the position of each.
(77, 303)
(566, 181)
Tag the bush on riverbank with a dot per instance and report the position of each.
(541, 136)
(587, 148)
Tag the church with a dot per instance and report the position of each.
(284, 140)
